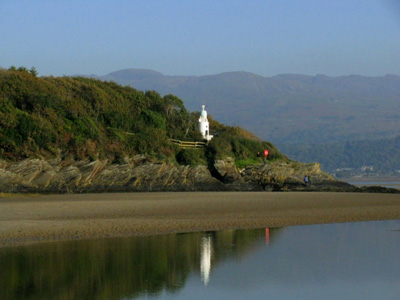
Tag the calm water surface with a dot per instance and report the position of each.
(385, 183)
(338, 261)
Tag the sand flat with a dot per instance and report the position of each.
(82, 216)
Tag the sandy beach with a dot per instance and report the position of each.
(28, 219)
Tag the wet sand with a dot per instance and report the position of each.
(31, 219)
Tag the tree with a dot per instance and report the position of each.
(23, 69)
(33, 71)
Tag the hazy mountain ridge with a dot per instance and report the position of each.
(379, 157)
(286, 108)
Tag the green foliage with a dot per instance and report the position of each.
(150, 141)
(246, 162)
(221, 146)
(191, 157)
(34, 72)
(154, 119)
(242, 145)
(181, 125)
(81, 117)
(86, 118)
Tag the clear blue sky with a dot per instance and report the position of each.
(187, 37)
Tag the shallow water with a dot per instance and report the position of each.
(378, 182)
(335, 261)
(388, 184)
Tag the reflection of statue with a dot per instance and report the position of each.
(205, 258)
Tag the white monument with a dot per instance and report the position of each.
(204, 126)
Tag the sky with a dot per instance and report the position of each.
(187, 37)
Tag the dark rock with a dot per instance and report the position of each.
(227, 170)
(378, 189)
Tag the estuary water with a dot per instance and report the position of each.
(334, 261)
(393, 182)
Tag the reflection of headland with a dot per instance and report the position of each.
(119, 268)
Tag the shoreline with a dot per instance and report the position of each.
(42, 218)
(388, 182)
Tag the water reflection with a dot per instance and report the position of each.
(205, 259)
(337, 261)
(117, 268)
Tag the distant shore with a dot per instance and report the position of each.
(389, 181)
(29, 219)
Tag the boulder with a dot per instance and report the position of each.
(226, 170)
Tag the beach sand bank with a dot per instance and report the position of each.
(83, 216)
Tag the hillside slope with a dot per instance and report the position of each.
(82, 118)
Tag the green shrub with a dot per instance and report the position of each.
(191, 157)
(154, 119)
(232, 142)
(244, 163)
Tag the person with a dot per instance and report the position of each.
(305, 180)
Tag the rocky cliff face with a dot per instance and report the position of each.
(279, 175)
(138, 174)
(56, 176)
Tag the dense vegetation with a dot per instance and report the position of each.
(382, 154)
(82, 118)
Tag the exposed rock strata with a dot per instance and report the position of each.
(55, 176)
(138, 174)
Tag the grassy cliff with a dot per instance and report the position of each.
(81, 118)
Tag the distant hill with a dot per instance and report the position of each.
(355, 157)
(286, 108)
